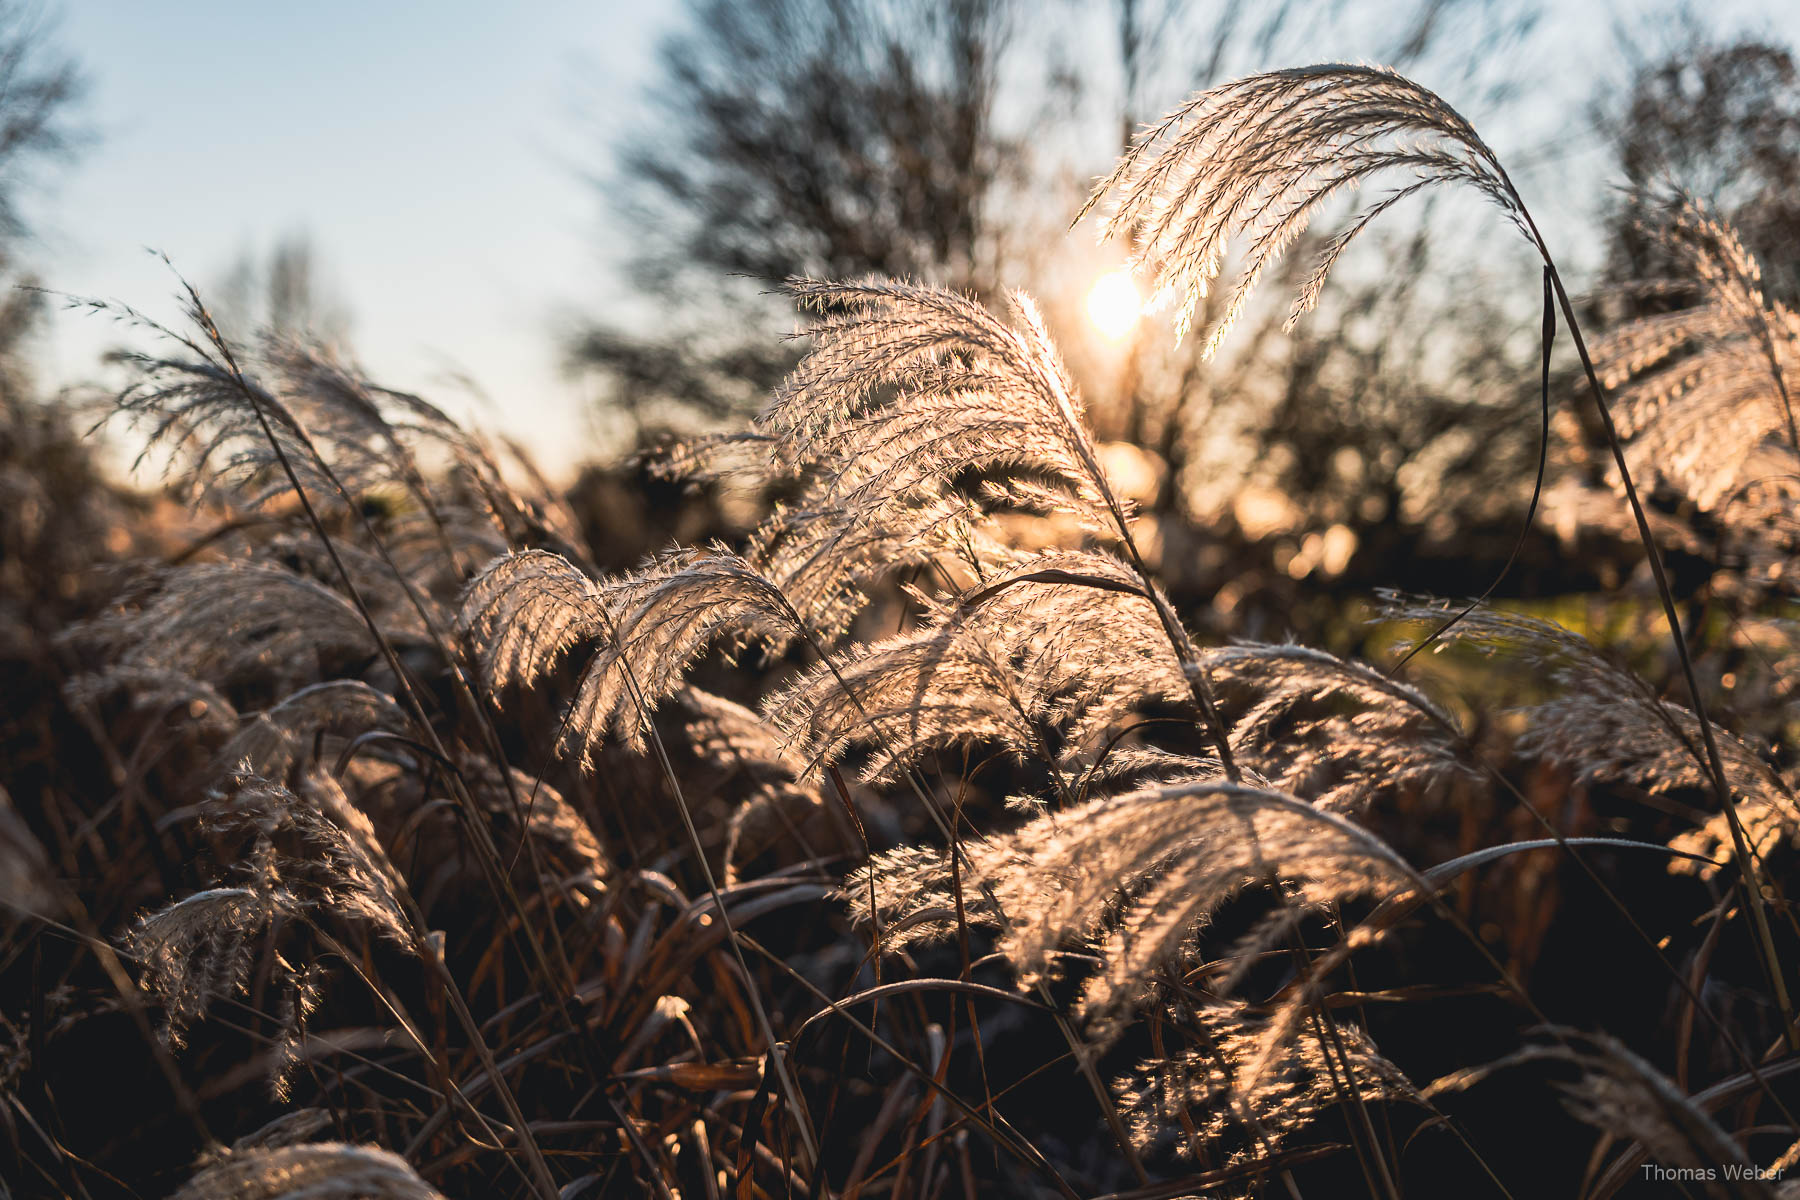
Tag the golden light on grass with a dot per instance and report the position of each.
(1114, 305)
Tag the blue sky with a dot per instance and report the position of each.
(432, 151)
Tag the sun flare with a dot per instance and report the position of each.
(1113, 304)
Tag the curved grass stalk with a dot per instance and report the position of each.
(1255, 159)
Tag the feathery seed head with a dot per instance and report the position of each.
(1255, 159)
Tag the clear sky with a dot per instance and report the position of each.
(433, 152)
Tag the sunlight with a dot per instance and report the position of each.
(1113, 304)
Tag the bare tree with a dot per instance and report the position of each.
(827, 138)
(830, 138)
(53, 501)
(1721, 120)
(38, 89)
(284, 294)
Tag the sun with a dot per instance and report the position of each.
(1113, 304)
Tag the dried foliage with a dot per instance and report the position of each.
(308, 857)
(25, 880)
(1204, 1098)
(1704, 390)
(1257, 157)
(325, 1170)
(1338, 733)
(1626, 1098)
(1605, 725)
(861, 856)
(1134, 873)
